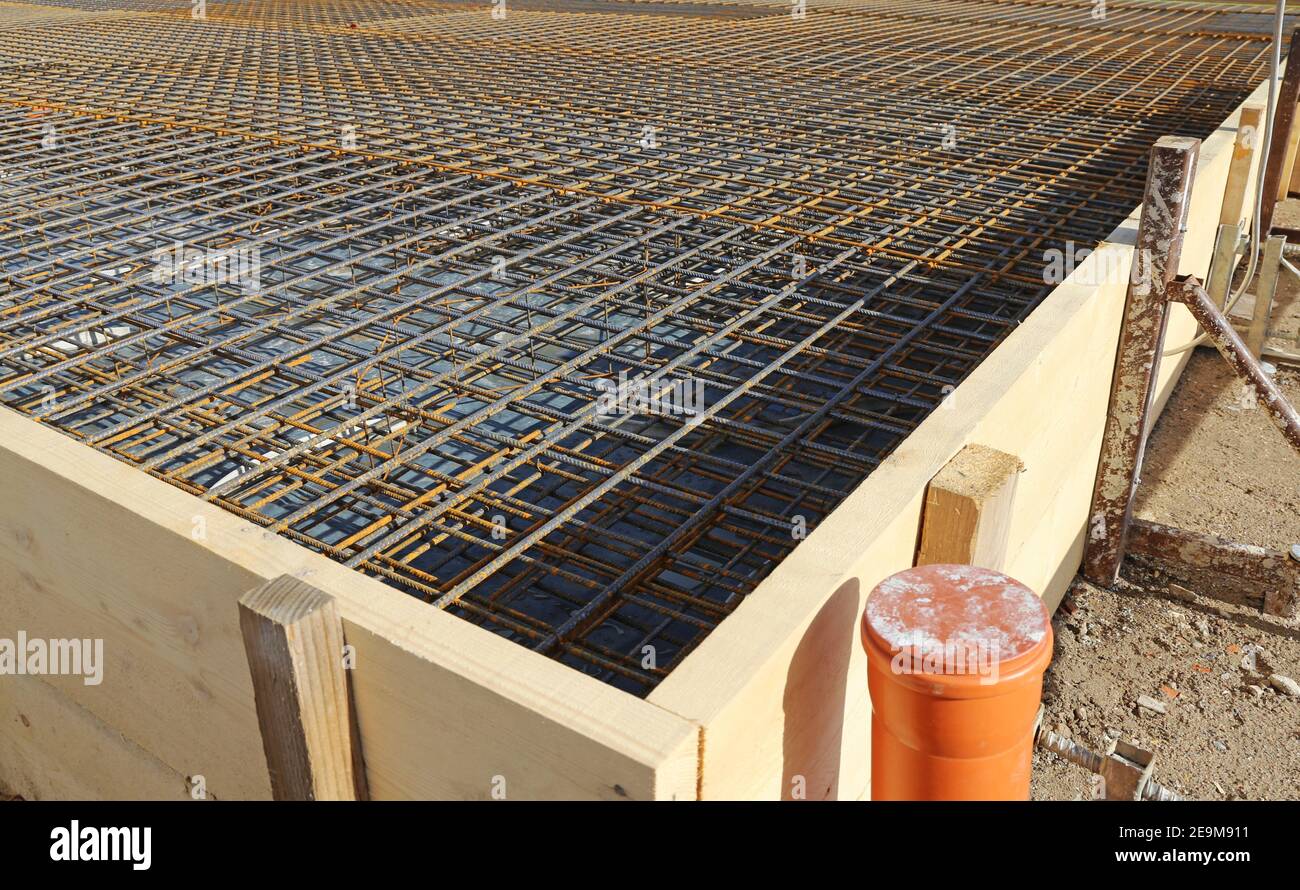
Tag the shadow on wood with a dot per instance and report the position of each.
(814, 698)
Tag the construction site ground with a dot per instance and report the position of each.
(1215, 464)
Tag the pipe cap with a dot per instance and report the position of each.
(957, 622)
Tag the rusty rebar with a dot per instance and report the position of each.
(1225, 338)
(468, 228)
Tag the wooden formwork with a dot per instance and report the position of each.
(773, 703)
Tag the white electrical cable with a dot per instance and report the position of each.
(1256, 222)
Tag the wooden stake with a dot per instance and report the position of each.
(1294, 185)
(1243, 159)
(1270, 268)
(1288, 160)
(294, 641)
(967, 515)
(1159, 243)
(1222, 262)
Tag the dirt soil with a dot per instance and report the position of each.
(1214, 464)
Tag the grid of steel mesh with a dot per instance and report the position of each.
(571, 319)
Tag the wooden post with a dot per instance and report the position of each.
(1222, 263)
(1294, 185)
(967, 514)
(1243, 159)
(1137, 360)
(294, 641)
(1270, 268)
(1288, 160)
(1276, 174)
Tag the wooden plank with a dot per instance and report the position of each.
(1293, 187)
(1288, 160)
(51, 748)
(1242, 167)
(1165, 205)
(91, 547)
(967, 515)
(779, 688)
(294, 640)
(1278, 354)
(1262, 309)
(1279, 143)
(1223, 263)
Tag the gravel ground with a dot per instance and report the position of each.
(1227, 732)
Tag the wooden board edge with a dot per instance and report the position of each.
(531, 692)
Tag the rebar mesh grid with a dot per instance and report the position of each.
(369, 273)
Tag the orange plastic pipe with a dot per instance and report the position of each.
(955, 661)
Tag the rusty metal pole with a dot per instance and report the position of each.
(1141, 339)
(1189, 292)
(1273, 573)
(1280, 134)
